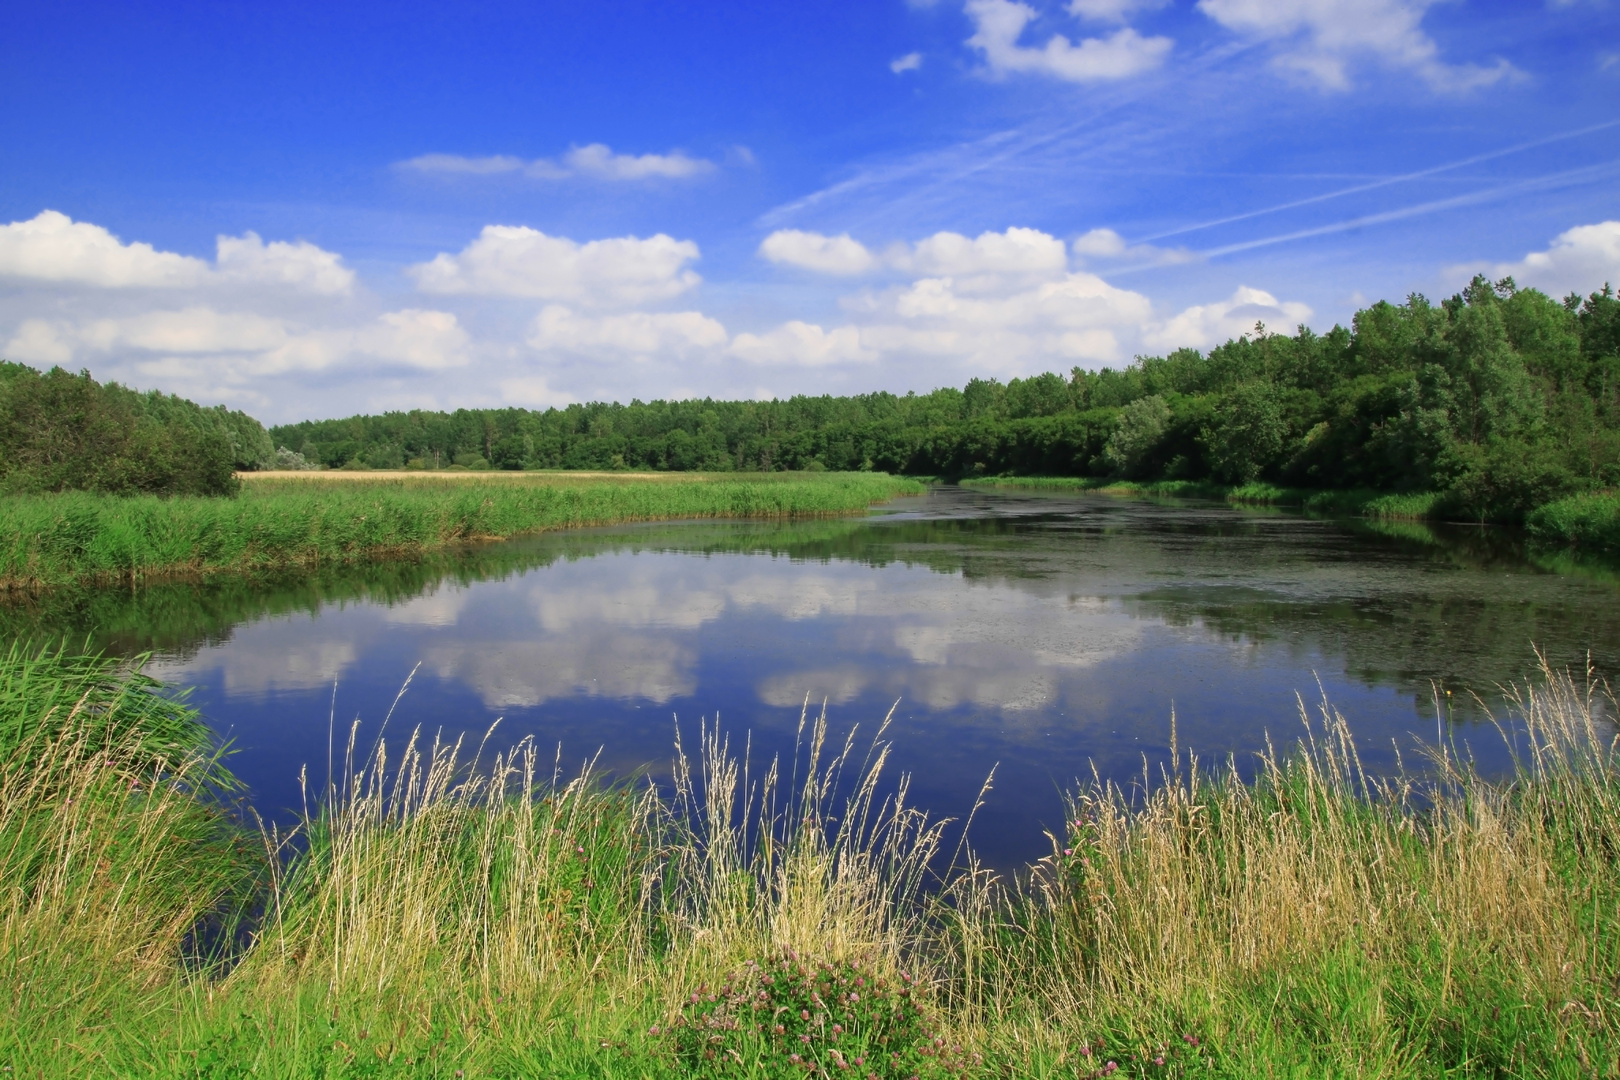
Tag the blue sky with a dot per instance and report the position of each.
(311, 210)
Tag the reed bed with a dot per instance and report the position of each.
(445, 911)
(80, 538)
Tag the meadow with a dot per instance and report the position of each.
(312, 519)
(445, 911)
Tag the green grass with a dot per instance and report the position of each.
(1590, 522)
(449, 917)
(53, 540)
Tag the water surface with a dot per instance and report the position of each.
(1042, 635)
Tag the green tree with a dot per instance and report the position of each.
(1137, 435)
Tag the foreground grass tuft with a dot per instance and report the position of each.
(445, 913)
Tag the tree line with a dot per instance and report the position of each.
(1500, 397)
(62, 431)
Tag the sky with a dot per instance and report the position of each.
(313, 210)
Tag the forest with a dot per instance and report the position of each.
(1500, 397)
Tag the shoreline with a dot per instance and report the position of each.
(75, 538)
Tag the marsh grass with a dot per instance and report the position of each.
(443, 908)
(1590, 522)
(78, 538)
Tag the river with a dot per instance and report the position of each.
(1041, 636)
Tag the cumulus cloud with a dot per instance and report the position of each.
(1319, 38)
(248, 260)
(1075, 319)
(1106, 245)
(1015, 252)
(197, 342)
(1004, 303)
(812, 251)
(1000, 23)
(596, 161)
(1204, 325)
(508, 260)
(909, 62)
(802, 344)
(52, 248)
(1579, 260)
(636, 333)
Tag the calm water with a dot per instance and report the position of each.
(1036, 634)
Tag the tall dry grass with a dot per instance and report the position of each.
(497, 913)
(1385, 926)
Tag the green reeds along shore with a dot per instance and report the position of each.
(445, 912)
(76, 537)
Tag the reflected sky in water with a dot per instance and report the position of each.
(1040, 635)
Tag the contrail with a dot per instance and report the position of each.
(1401, 179)
(1551, 180)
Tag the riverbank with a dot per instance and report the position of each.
(450, 919)
(1414, 506)
(1589, 521)
(80, 538)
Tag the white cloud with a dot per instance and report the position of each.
(53, 248)
(596, 160)
(812, 251)
(1075, 319)
(1204, 325)
(248, 260)
(1106, 245)
(1579, 260)
(453, 164)
(191, 330)
(1111, 10)
(508, 260)
(909, 62)
(1000, 23)
(1014, 252)
(802, 344)
(637, 333)
(1318, 38)
(40, 342)
(197, 343)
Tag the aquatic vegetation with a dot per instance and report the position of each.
(52, 540)
(1590, 522)
(451, 913)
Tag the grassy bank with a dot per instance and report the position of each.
(51, 540)
(1590, 522)
(456, 918)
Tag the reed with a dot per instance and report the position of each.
(79, 538)
(443, 911)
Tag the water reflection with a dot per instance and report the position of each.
(1048, 634)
